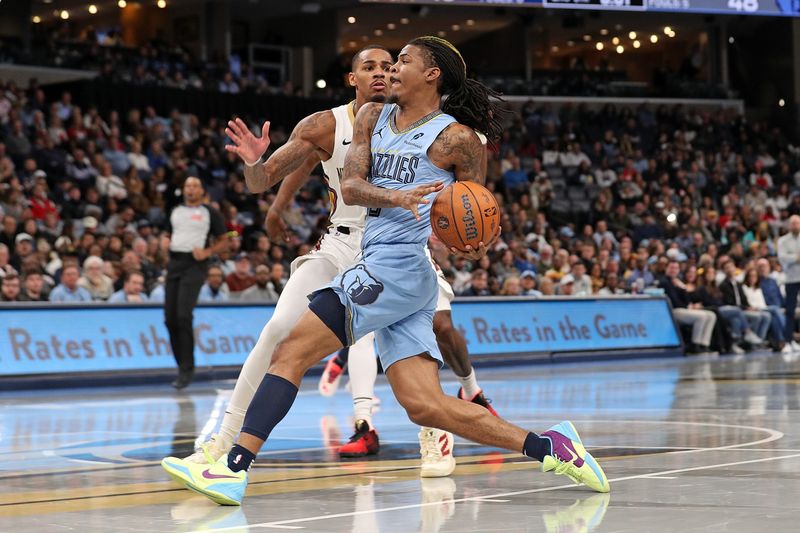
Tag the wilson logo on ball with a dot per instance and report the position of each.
(470, 228)
(443, 222)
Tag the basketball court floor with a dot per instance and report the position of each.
(688, 444)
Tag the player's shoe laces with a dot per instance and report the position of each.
(214, 480)
(363, 442)
(436, 449)
(568, 457)
(329, 381)
(478, 399)
(215, 447)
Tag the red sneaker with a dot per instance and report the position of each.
(329, 381)
(363, 442)
(478, 399)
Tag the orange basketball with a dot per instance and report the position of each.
(465, 213)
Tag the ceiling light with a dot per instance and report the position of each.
(554, 49)
(617, 27)
(672, 34)
(731, 40)
(455, 27)
(587, 38)
(620, 49)
(615, 40)
(570, 43)
(470, 22)
(364, 38)
(599, 46)
(654, 39)
(378, 32)
(321, 84)
(667, 30)
(36, 19)
(122, 3)
(441, 33)
(93, 9)
(391, 26)
(351, 20)
(632, 35)
(352, 44)
(781, 102)
(404, 20)
(636, 44)
(162, 3)
(64, 14)
(604, 32)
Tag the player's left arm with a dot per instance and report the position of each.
(459, 148)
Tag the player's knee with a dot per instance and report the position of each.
(420, 411)
(279, 327)
(284, 359)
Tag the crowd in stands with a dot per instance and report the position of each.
(615, 201)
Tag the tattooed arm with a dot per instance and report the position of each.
(458, 149)
(312, 137)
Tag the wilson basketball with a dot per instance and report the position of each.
(465, 213)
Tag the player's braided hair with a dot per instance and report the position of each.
(468, 101)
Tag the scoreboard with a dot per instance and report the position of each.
(786, 8)
(789, 8)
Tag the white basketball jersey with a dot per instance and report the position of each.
(341, 214)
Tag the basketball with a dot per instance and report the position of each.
(465, 213)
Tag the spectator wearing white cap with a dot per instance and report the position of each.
(23, 248)
(566, 285)
(527, 283)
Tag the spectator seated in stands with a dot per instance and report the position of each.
(214, 289)
(68, 291)
(687, 312)
(10, 289)
(34, 287)
(132, 290)
(263, 290)
(734, 296)
(94, 280)
(241, 278)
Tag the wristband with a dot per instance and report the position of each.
(259, 161)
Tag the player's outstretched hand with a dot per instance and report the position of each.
(413, 198)
(246, 145)
(474, 254)
(277, 230)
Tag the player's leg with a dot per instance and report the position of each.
(453, 347)
(291, 305)
(415, 382)
(171, 314)
(309, 341)
(363, 369)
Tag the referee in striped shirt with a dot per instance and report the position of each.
(197, 233)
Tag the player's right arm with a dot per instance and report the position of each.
(356, 188)
(310, 137)
(276, 226)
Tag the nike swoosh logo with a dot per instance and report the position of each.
(345, 143)
(576, 458)
(208, 475)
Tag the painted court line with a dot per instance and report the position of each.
(503, 495)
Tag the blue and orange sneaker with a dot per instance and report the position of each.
(215, 481)
(570, 458)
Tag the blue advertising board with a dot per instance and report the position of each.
(44, 340)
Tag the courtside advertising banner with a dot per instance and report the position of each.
(46, 340)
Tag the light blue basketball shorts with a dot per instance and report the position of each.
(392, 291)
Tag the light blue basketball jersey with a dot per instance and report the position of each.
(400, 161)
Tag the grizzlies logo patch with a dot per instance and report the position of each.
(360, 285)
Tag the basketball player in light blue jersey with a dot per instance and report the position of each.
(401, 155)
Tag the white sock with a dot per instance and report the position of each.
(470, 385)
(363, 369)
(362, 409)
